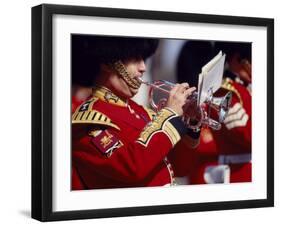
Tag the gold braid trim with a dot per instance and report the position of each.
(86, 115)
(119, 67)
(150, 113)
(160, 124)
(106, 95)
(227, 84)
(171, 172)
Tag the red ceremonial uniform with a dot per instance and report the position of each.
(235, 137)
(121, 144)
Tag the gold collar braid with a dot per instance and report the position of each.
(119, 67)
(108, 96)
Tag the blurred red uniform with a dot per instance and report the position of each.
(194, 163)
(234, 140)
(117, 144)
(224, 155)
(75, 102)
(79, 95)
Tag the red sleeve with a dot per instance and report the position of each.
(182, 158)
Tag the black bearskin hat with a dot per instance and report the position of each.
(244, 49)
(193, 56)
(89, 52)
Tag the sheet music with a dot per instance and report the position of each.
(210, 78)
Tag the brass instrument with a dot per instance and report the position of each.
(219, 104)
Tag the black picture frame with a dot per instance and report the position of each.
(42, 108)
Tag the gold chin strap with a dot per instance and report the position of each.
(119, 67)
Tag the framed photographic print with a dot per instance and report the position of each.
(145, 112)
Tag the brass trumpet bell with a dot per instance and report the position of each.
(221, 105)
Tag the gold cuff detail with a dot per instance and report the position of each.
(160, 124)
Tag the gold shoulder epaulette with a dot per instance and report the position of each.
(85, 114)
(228, 85)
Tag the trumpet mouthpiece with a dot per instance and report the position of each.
(140, 80)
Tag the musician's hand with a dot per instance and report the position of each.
(192, 111)
(178, 96)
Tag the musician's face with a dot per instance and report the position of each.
(242, 68)
(135, 69)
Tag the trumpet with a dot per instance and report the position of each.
(219, 104)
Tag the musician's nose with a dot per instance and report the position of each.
(141, 66)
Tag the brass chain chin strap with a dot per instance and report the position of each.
(119, 67)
